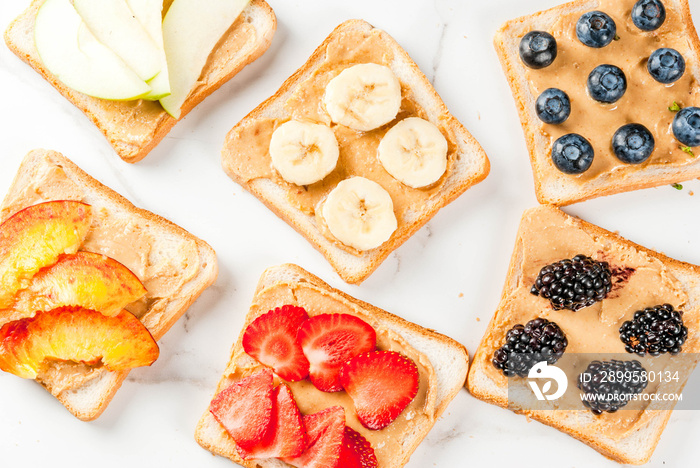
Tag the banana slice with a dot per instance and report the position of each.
(363, 97)
(414, 151)
(303, 152)
(359, 213)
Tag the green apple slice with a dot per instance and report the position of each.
(150, 14)
(114, 25)
(69, 50)
(190, 32)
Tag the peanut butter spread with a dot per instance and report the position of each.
(248, 144)
(386, 442)
(645, 102)
(125, 237)
(639, 281)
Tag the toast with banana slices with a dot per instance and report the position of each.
(356, 150)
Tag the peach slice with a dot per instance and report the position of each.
(84, 279)
(75, 334)
(34, 238)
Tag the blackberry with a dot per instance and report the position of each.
(654, 330)
(573, 283)
(609, 385)
(525, 346)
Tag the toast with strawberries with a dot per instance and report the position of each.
(318, 378)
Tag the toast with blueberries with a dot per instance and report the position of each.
(607, 93)
(356, 150)
(609, 317)
(318, 378)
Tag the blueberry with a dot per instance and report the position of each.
(666, 65)
(607, 83)
(633, 143)
(596, 29)
(648, 15)
(572, 154)
(538, 49)
(686, 126)
(553, 106)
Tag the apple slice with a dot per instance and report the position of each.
(34, 238)
(114, 25)
(190, 32)
(75, 334)
(150, 14)
(71, 52)
(83, 279)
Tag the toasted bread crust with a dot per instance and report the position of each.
(101, 390)
(551, 186)
(482, 387)
(18, 38)
(457, 369)
(355, 268)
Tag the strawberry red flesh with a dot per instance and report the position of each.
(325, 430)
(356, 451)
(286, 435)
(272, 340)
(328, 341)
(244, 408)
(381, 385)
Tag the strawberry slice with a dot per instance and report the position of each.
(244, 408)
(272, 340)
(356, 452)
(286, 436)
(381, 385)
(326, 431)
(328, 341)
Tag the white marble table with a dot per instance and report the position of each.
(447, 277)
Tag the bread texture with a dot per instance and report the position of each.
(553, 186)
(448, 358)
(639, 428)
(467, 162)
(175, 266)
(134, 128)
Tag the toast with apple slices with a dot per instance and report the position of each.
(247, 160)
(174, 266)
(134, 128)
(444, 360)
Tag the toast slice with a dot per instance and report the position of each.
(246, 159)
(645, 102)
(134, 128)
(641, 278)
(290, 284)
(174, 266)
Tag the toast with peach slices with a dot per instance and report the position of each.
(386, 380)
(89, 282)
